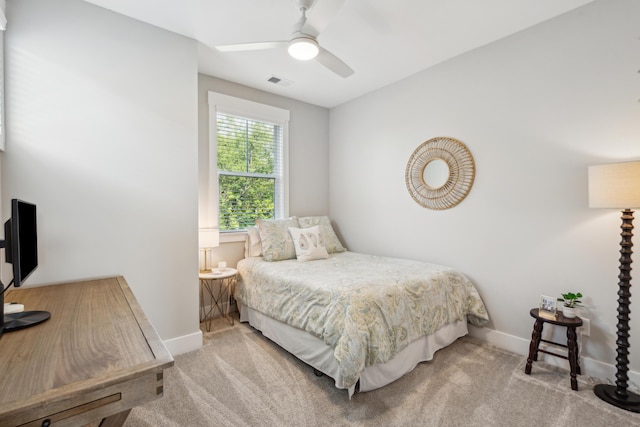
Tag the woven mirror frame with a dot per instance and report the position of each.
(454, 187)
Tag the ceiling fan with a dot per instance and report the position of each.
(303, 44)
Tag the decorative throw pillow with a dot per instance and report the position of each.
(275, 238)
(308, 243)
(331, 241)
(252, 246)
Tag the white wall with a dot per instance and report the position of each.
(308, 154)
(535, 110)
(102, 137)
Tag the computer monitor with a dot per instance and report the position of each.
(21, 251)
(21, 240)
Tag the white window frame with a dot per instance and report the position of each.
(226, 104)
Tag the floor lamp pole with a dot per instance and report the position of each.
(618, 395)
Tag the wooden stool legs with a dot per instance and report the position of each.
(572, 347)
(536, 335)
(572, 343)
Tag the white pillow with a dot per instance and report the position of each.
(308, 243)
(252, 246)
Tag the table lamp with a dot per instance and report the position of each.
(207, 238)
(617, 185)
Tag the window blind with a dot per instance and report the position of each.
(250, 172)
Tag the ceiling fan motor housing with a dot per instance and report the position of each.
(303, 47)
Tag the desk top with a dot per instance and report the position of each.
(97, 336)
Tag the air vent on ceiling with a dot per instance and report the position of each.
(279, 81)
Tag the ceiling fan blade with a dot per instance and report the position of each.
(320, 15)
(333, 63)
(251, 46)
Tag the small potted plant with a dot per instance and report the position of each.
(570, 302)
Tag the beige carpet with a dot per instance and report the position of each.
(239, 378)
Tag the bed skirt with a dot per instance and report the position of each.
(319, 355)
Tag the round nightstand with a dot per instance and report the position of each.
(219, 295)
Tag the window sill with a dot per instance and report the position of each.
(233, 236)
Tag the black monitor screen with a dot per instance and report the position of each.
(21, 240)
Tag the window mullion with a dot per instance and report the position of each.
(248, 175)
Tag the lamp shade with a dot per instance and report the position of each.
(615, 185)
(208, 238)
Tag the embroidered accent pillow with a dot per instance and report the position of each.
(308, 243)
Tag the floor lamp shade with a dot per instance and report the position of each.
(618, 186)
(615, 185)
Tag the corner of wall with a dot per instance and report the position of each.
(184, 344)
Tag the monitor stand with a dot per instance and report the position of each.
(24, 319)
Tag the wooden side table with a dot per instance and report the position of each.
(226, 281)
(572, 343)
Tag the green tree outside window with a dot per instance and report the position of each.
(248, 156)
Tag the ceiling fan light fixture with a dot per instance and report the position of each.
(303, 48)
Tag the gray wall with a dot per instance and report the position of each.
(535, 110)
(102, 137)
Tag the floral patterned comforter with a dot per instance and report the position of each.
(367, 308)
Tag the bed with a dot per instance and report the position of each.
(361, 319)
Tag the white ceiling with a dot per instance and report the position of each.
(382, 40)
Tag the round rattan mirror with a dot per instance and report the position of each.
(440, 173)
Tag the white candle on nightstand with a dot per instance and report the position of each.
(222, 265)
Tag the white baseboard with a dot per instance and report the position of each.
(184, 344)
(193, 341)
(594, 368)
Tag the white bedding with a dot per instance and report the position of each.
(366, 309)
(317, 354)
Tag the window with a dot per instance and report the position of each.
(248, 168)
(249, 160)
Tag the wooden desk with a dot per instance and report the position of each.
(96, 358)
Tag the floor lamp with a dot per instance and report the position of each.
(207, 238)
(618, 186)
